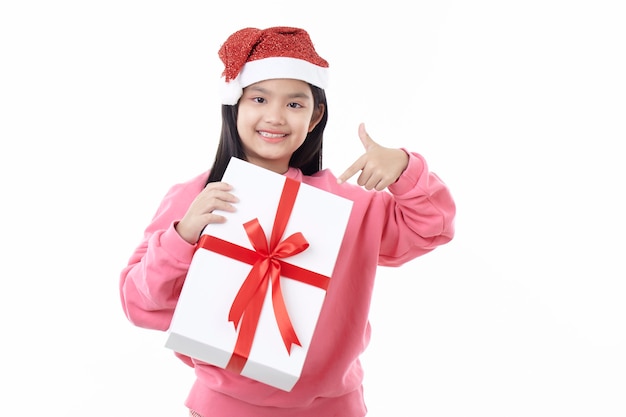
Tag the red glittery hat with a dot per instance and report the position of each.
(251, 55)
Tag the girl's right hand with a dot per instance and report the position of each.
(215, 196)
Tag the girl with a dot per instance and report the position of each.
(274, 114)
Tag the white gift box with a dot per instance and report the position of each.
(200, 327)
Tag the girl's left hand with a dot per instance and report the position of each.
(379, 166)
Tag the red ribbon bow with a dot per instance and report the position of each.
(267, 267)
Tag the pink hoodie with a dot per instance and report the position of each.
(387, 228)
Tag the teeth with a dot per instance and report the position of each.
(271, 135)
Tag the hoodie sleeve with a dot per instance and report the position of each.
(420, 214)
(151, 282)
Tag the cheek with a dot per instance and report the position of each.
(239, 124)
(304, 124)
(243, 122)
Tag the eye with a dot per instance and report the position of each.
(259, 100)
(294, 105)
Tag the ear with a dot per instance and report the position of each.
(317, 117)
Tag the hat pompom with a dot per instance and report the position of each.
(231, 91)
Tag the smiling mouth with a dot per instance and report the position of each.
(272, 135)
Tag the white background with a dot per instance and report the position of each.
(519, 106)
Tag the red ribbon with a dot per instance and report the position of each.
(267, 267)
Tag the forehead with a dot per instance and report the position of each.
(282, 86)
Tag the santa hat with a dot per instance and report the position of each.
(251, 55)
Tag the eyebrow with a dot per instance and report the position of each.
(301, 95)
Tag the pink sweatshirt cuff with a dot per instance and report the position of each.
(411, 175)
(176, 246)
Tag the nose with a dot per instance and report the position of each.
(275, 114)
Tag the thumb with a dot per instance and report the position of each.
(366, 140)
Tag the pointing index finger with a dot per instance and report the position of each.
(352, 169)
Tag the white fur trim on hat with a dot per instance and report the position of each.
(272, 68)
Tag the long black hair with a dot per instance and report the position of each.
(308, 157)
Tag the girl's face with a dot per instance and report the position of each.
(274, 117)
